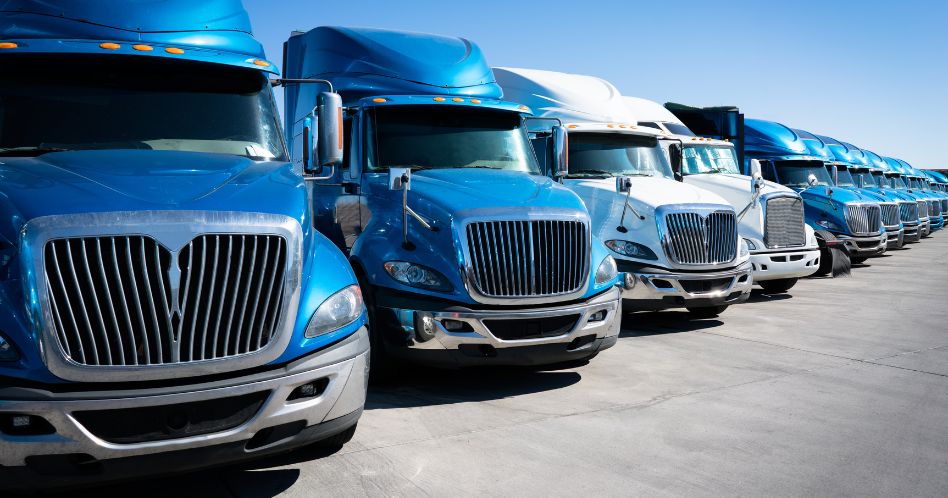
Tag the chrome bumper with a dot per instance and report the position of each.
(344, 394)
(657, 290)
(925, 227)
(912, 233)
(787, 264)
(865, 246)
(461, 338)
(895, 238)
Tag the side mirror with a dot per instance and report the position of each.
(623, 184)
(757, 179)
(560, 152)
(675, 152)
(399, 178)
(835, 174)
(329, 123)
(811, 180)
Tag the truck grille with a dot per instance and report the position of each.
(944, 205)
(783, 224)
(922, 209)
(535, 258)
(864, 219)
(890, 214)
(698, 239)
(908, 212)
(935, 208)
(127, 300)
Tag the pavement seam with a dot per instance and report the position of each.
(872, 361)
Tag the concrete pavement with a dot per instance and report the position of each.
(839, 388)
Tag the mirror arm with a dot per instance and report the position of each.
(288, 81)
(621, 228)
(406, 212)
(311, 178)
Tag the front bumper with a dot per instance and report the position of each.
(937, 223)
(78, 453)
(926, 227)
(913, 233)
(465, 337)
(784, 264)
(894, 238)
(864, 247)
(660, 289)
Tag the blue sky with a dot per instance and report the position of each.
(872, 73)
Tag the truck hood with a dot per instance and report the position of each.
(647, 192)
(840, 195)
(453, 191)
(124, 180)
(733, 188)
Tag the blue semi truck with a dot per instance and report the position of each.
(846, 160)
(867, 171)
(839, 216)
(898, 176)
(168, 304)
(920, 183)
(467, 254)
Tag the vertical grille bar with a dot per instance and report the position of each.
(697, 239)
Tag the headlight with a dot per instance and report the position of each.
(341, 309)
(416, 275)
(7, 351)
(750, 244)
(829, 225)
(631, 249)
(744, 249)
(607, 270)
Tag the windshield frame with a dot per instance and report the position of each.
(104, 82)
(368, 118)
(823, 179)
(714, 169)
(846, 178)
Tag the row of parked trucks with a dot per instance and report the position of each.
(187, 281)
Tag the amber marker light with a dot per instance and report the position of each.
(110, 46)
(8, 45)
(174, 50)
(378, 100)
(439, 99)
(143, 48)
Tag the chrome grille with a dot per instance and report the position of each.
(922, 209)
(698, 239)
(864, 219)
(114, 301)
(784, 223)
(535, 258)
(890, 214)
(935, 208)
(944, 205)
(908, 212)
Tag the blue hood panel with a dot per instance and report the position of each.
(458, 190)
(765, 139)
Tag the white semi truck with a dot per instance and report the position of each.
(770, 216)
(677, 243)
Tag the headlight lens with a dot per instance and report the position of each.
(750, 244)
(744, 249)
(341, 309)
(7, 351)
(829, 225)
(607, 271)
(416, 275)
(631, 249)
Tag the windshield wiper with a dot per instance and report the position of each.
(477, 167)
(591, 172)
(29, 151)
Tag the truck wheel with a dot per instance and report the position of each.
(858, 260)
(707, 311)
(777, 286)
(380, 363)
(338, 440)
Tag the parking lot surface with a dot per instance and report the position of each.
(839, 388)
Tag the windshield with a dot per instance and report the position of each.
(797, 173)
(864, 179)
(898, 183)
(678, 129)
(845, 178)
(616, 154)
(52, 103)
(446, 137)
(700, 159)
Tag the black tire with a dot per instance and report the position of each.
(777, 286)
(380, 363)
(707, 311)
(857, 260)
(339, 440)
(826, 255)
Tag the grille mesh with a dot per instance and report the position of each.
(510, 259)
(696, 239)
(922, 209)
(908, 212)
(112, 301)
(784, 223)
(864, 219)
(890, 214)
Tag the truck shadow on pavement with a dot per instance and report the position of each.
(243, 480)
(425, 386)
(759, 296)
(647, 323)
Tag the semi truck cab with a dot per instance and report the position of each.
(899, 177)
(468, 255)
(919, 182)
(835, 214)
(679, 244)
(168, 304)
(783, 247)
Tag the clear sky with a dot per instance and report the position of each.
(872, 73)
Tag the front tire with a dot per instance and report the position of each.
(339, 440)
(857, 260)
(707, 311)
(777, 286)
